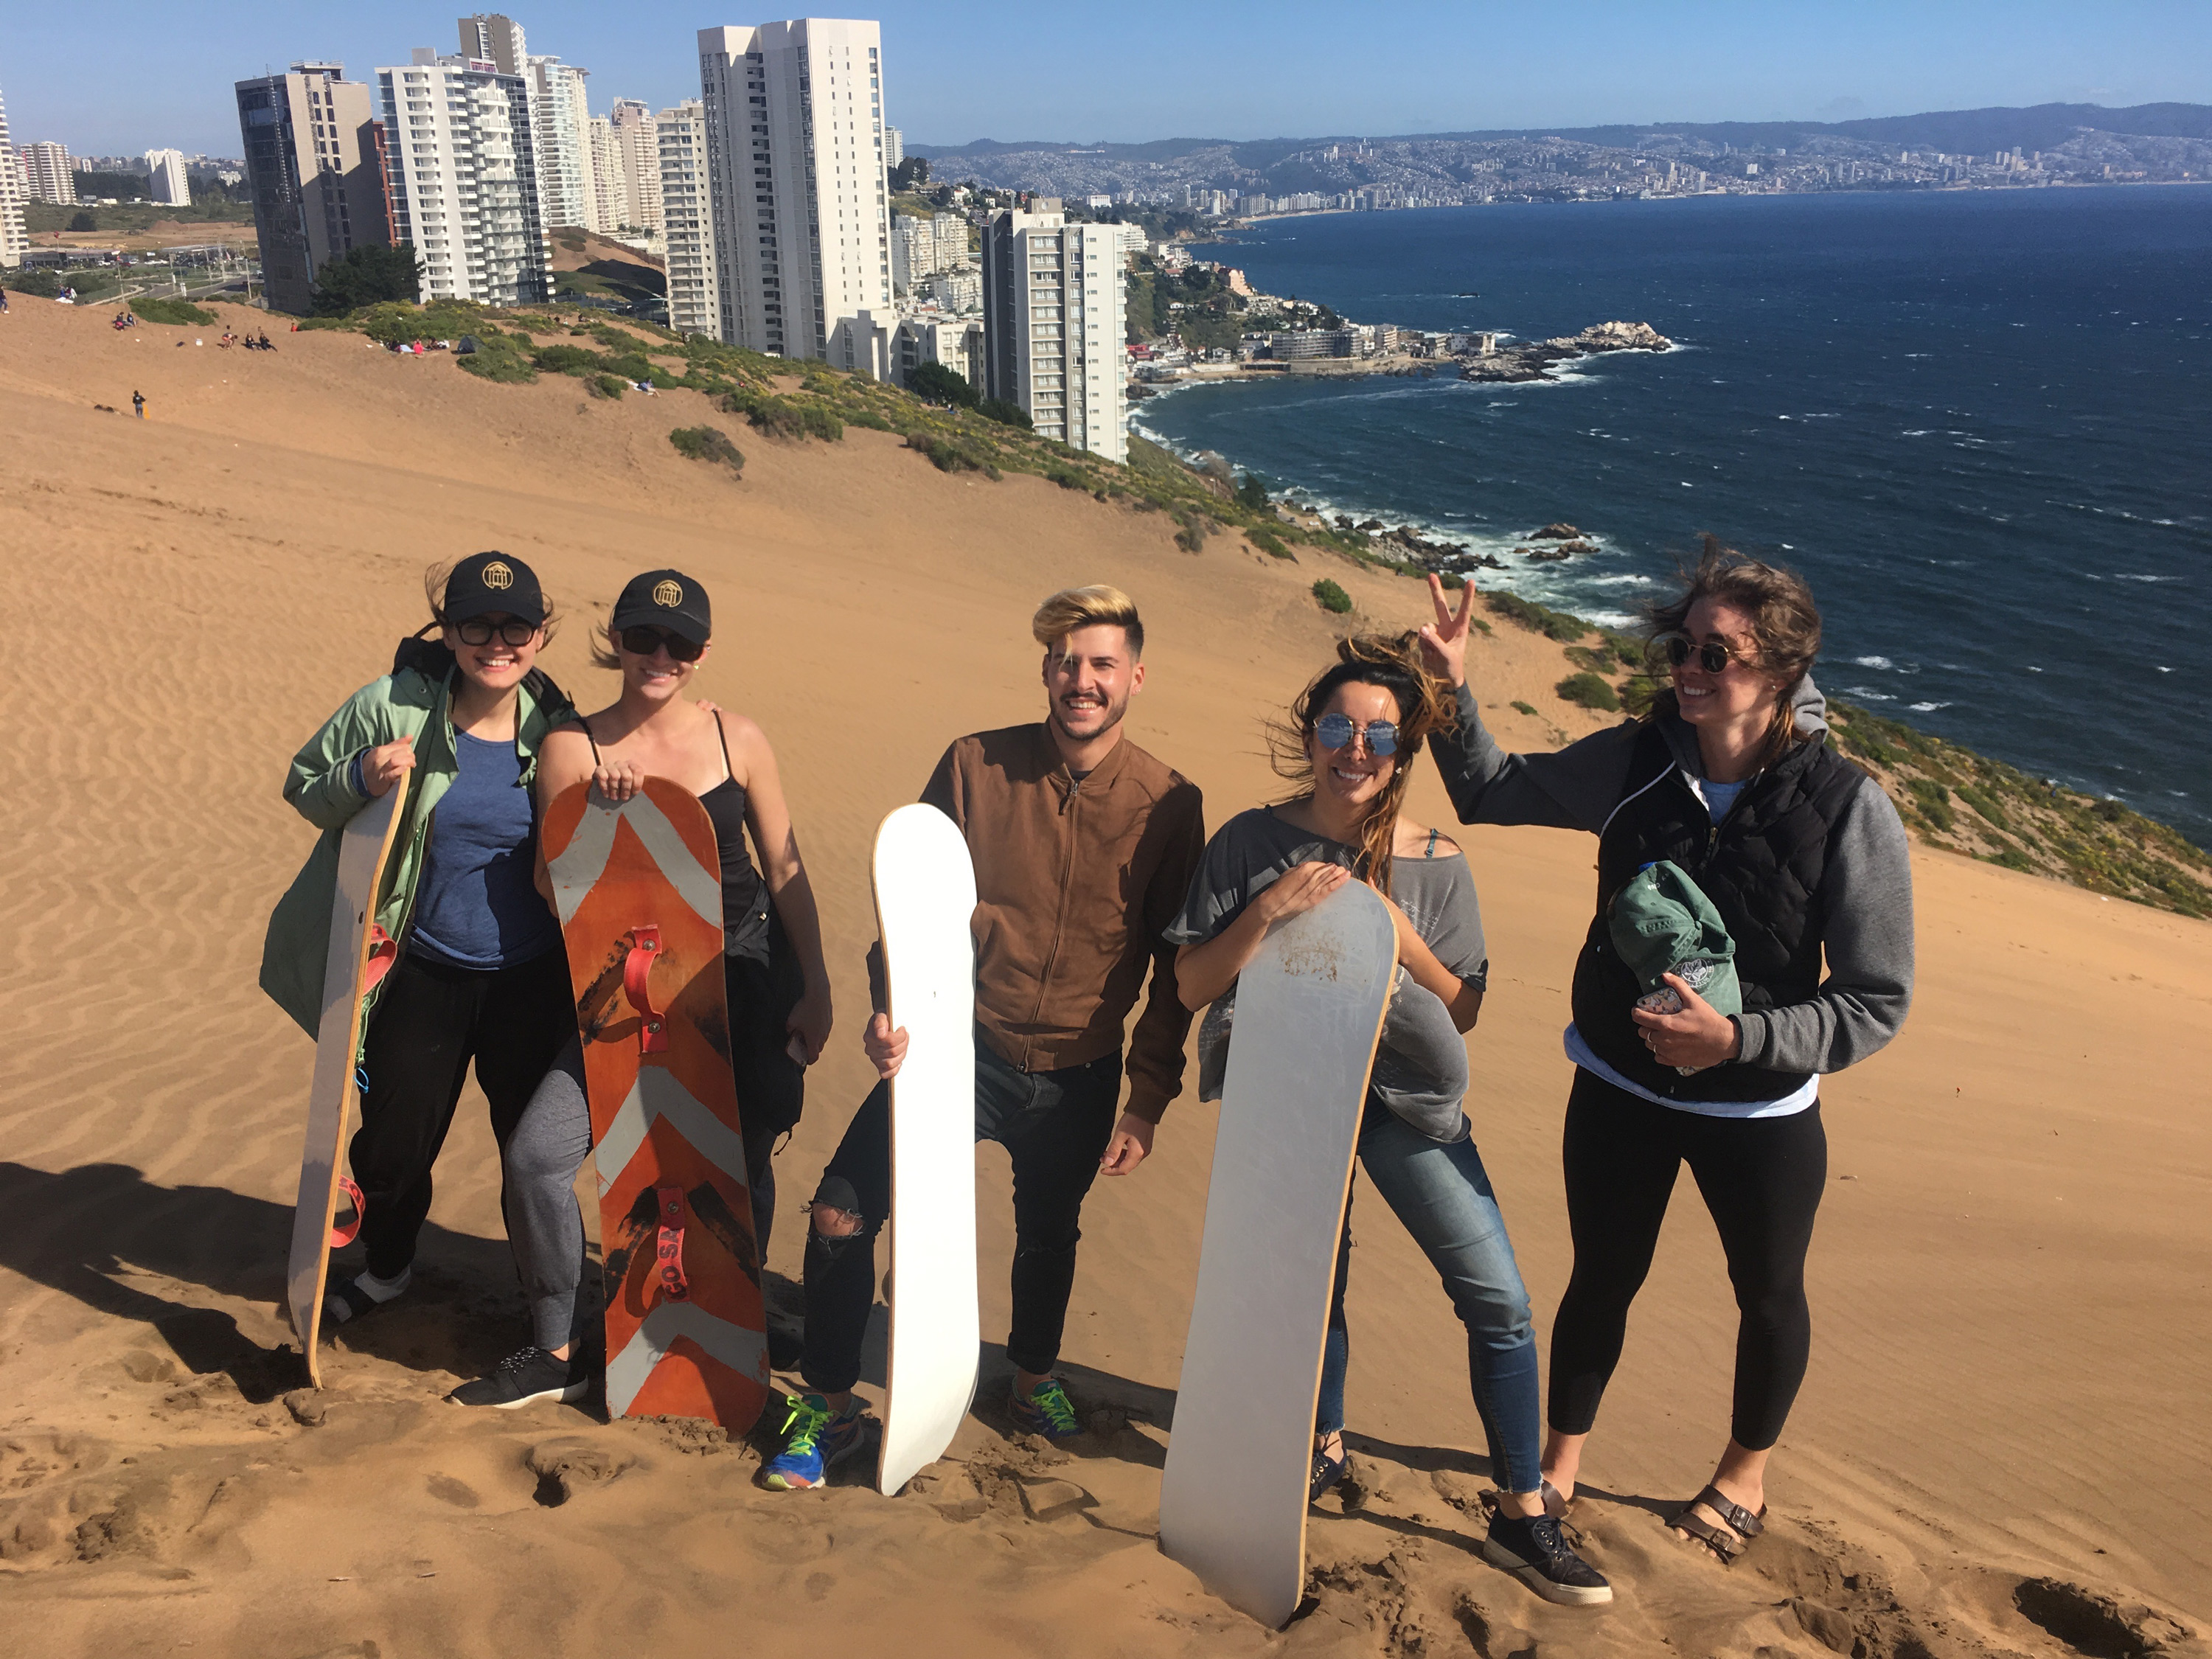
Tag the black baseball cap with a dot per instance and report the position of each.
(664, 599)
(485, 582)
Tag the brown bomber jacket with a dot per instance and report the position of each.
(1074, 885)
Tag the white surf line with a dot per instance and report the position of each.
(743, 1351)
(658, 1094)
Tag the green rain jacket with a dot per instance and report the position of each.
(410, 702)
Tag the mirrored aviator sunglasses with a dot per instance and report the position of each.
(1335, 731)
(644, 641)
(1676, 649)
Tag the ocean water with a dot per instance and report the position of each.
(1979, 423)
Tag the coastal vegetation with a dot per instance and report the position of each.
(181, 312)
(1333, 598)
(708, 443)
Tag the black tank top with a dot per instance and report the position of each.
(744, 894)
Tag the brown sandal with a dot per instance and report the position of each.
(1728, 1540)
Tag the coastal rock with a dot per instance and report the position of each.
(1554, 532)
(1622, 336)
(1548, 554)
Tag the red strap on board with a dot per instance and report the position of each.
(342, 1236)
(383, 951)
(673, 1285)
(652, 1028)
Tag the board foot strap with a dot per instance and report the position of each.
(383, 951)
(342, 1236)
(653, 1027)
(673, 1285)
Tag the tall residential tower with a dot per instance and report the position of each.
(1055, 313)
(801, 229)
(462, 170)
(694, 305)
(13, 242)
(167, 171)
(314, 162)
(47, 174)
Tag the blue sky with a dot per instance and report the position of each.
(118, 78)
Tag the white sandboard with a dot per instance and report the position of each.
(357, 956)
(925, 902)
(1309, 1011)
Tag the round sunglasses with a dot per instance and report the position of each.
(1713, 656)
(644, 641)
(1334, 731)
(478, 630)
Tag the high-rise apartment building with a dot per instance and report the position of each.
(13, 242)
(495, 39)
(894, 147)
(693, 286)
(314, 161)
(921, 248)
(167, 168)
(801, 227)
(562, 131)
(461, 166)
(1054, 315)
(47, 174)
(636, 149)
(610, 200)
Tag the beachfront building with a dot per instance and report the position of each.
(608, 209)
(635, 151)
(894, 147)
(694, 303)
(47, 175)
(801, 225)
(1054, 315)
(167, 171)
(923, 338)
(14, 241)
(315, 166)
(560, 130)
(461, 171)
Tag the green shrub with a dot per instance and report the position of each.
(181, 312)
(795, 418)
(1985, 803)
(708, 443)
(1539, 618)
(1525, 708)
(1195, 528)
(37, 280)
(1934, 801)
(1590, 691)
(949, 454)
(607, 386)
(500, 359)
(1269, 542)
(1006, 412)
(1334, 599)
(565, 359)
(938, 384)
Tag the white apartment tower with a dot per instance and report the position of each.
(47, 174)
(461, 168)
(636, 152)
(314, 162)
(1055, 314)
(14, 241)
(560, 130)
(694, 287)
(894, 147)
(610, 198)
(167, 168)
(794, 125)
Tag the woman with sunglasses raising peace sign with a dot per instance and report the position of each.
(1348, 749)
(1728, 779)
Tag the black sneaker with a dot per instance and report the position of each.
(1530, 1548)
(523, 1379)
(1326, 1473)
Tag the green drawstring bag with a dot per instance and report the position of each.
(1662, 923)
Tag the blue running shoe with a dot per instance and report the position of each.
(819, 1438)
(1047, 1411)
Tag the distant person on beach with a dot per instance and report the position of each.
(138, 404)
(773, 976)
(1730, 779)
(1349, 749)
(481, 973)
(1083, 846)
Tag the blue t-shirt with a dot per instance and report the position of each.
(1719, 796)
(478, 905)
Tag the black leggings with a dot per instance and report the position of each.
(429, 1023)
(1760, 1177)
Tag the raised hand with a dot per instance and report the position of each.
(381, 766)
(1444, 642)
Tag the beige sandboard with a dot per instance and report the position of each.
(357, 956)
(1309, 1011)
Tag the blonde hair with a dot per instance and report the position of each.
(1096, 607)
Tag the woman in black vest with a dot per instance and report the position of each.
(1730, 778)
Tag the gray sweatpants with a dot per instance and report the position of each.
(544, 1223)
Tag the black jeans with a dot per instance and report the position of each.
(1760, 1177)
(771, 1086)
(429, 1023)
(1054, 1125)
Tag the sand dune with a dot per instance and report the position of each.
(2002, 1449)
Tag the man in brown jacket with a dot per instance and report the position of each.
(1083, 847)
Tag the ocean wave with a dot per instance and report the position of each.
(1874, 662)
(1866, 694)
(1926, 708)
(2132, 576)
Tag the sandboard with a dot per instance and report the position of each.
(359, 955)
(924, 886)
(638, 890)
(1309, 1009)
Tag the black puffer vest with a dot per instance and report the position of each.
(1761, 866)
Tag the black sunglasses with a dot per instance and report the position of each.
(478, 630)
(1713, 656)
(644, 641)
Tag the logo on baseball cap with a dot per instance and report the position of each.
(485, 582)
(664, 599)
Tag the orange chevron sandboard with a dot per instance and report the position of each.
(638, 890)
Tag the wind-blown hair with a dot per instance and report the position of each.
(1095, 606)
(1785, 624)
(1425, 704)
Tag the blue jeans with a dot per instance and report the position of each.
(1443, 1195)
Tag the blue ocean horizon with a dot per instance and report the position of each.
(1979, 422)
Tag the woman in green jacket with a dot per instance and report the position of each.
(481, 974)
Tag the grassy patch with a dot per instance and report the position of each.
(181, 312)
(1539, 618)
(708, 443)
(1588, 691)
(1332, 597)
(1524, 708)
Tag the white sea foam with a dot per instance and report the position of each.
(2132, 576)
(1927, 708)
(1874, 662)
(1866, 694)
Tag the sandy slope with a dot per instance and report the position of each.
(2009, 1283)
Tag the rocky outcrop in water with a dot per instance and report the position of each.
(1535, 359)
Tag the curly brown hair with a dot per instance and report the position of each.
(1784, 623)
(1425, 704)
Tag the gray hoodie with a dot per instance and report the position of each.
(1866, 890)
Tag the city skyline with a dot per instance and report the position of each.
(1585, 64)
